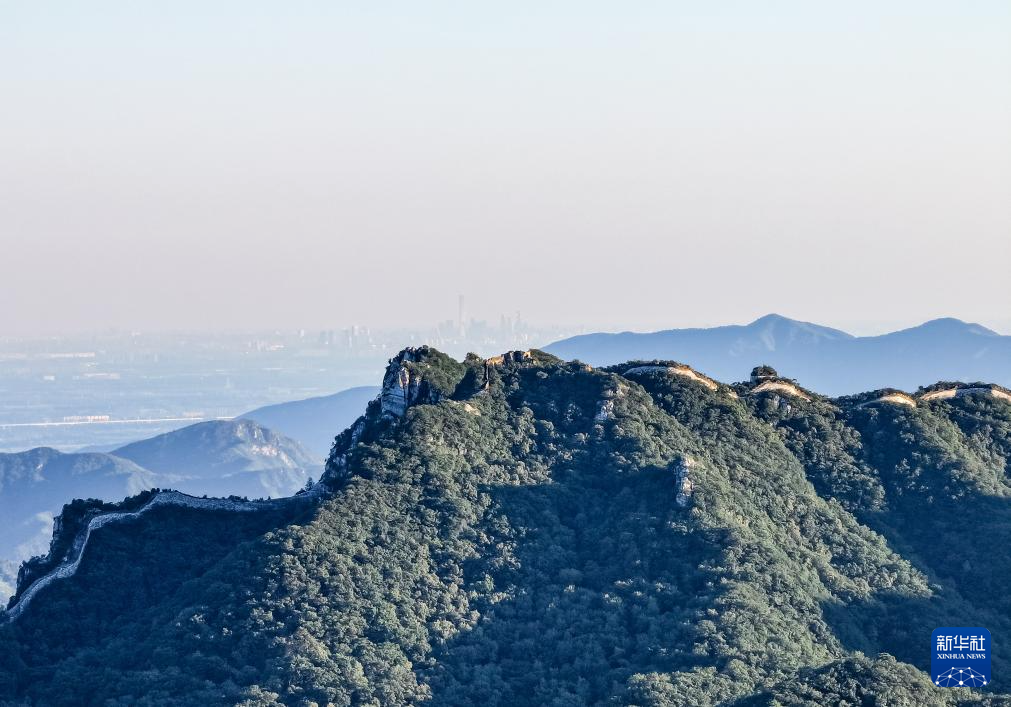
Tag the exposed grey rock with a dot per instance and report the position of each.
(684, 484)
(605, 412)
(397, 392)
(337, 467)
(401, 386)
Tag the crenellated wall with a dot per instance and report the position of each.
(68, 567)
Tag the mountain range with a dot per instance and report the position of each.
(521, 530)
(824, 359)
(224, 457)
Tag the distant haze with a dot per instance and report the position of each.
(618, 165)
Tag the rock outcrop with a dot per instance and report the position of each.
(400, 387)
(337, 463)
(417, 375)
(684, 484)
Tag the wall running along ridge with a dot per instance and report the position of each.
(959, 392)
(68, 567)
(676, 371)
(780, 387)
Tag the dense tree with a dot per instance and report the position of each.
(534, 532)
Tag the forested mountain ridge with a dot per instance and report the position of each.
(522, 530)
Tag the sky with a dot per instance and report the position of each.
(251, 164)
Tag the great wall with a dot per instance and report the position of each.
(780, 387)
(68, 567)
(897, 397)
(682, 370)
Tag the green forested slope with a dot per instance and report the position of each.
(516, 538)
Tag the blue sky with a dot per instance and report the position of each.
(623, 165)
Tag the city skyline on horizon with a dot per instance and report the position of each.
(445, 328)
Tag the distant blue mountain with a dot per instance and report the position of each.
(315, 422)
(223, 457)
(820, 358)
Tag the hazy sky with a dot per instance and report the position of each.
(620, 165)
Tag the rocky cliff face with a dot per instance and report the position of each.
(683, 480)
(417, 375)
(402, 384)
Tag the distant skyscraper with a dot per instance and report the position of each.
(460, 316)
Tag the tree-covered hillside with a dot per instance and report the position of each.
(526, 531)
